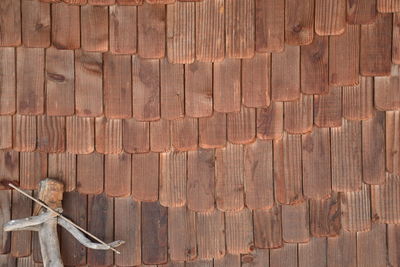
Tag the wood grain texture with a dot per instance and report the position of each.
(361, 11)
(181, 33)
(21, 240)
(270, 122)
(284, 257)
(258, 175)
(396, 39)
(184, 134)
(146, 89)
(101, 2)
(299, 22)
(129, 230)
(346, 156)
(30, 80)
(7, 80)
(385, 200)
(295, 223)
(117, 175)
(145, 173)
(199, 263)
(371, 247)
(328, 108)
(35, 21)
(330, 17)
(314, 66)
(228, 260)
(199, 89)
(62, 166)
(316, 163)
(160, 134)
(24, 133)
(59, 82)
(210, 27)
(239, 28)
(173, 179)
(212, 131)
(154, 227)
(393, 237)
(32, 169)
(117, 86)
(392, 141)
(229, 187)
(182, 234)
(313, 253)
(172, 90)
(288, 169)
(358, 100)
(227, 85)
(299, 115)
(151, 31)
(325, 216)
(51, 134)
(373, 149)
(256, 80)
(80, 135)
(6, 130)
(285, 76)
(387, 91)
(342, 250)
(65, 26)
(258, 258)
(344, 57)
(108, 135)
(200, 180)
(5, 211)
(356, 210)
(210, 234)
(375, 49)
(123, 29)
(10, 31)
(9, 166)
(270, 25)
(241, 126)
(90, 173)
(8, 260)
(135, 136)
(386, 6)
(239, 231)
(88, 83)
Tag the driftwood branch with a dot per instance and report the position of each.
(28, 223)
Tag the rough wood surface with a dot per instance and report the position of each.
(325, 216)
(358, 100)
(80, 135)
(5, 211)
(10, 31)
(21, 240)
(328, 108)
(387, 91)
(160, 136)
(371, 247)
(65, 30)
(9, 166)
(239, 231)
(135, 136)
(299, 22)
(361, 11)
(270, 122)
(356, 210)
(94, 28)
(33, 168)
(299, 115)
(108, 135)
(392, 124)
(35, 21)
(241, 126)
(7, 82)
(330, 17)
(172, 90)
(295, 223)
(212, 131)
(284, 257)
(89, 173)
(6, 130)
(184, 134)
(123, 29)
(51, 134)
(24, 129)
(342, 250)
(313, 253)
(210, 234)
(117, 175)
(145, 174)
(385, 201)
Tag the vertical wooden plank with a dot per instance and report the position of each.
(200, 263)
(330, 17)
(10, 21)
(108, 135)
(6, 260)
(60, 82)
(229, 260)
(33, 168)
(373, 149)
(387, 91)
(342, 250)
(172, 90)
(80, 135)
(385, 200)
(145, 174)
(24, 133)
(316, 163)
(117, 175)
(9, 166)
(181, 33)
(314, 66)
(7, 80)
(30, 80)
(151, 30)
(270, 121)
(299, 22)
(375, 50)
(299, 115)
(6, 130)
(287, 169)
(346, 166)
(313, 253)
(392, 141)
(200, 180)
(328, 108)
(123, 29)
(21, 240)
(344, 57)
(393, 237)
(100, 2)
(198, 89)
(89, 173)
(146, 89)
(258, 175)
(241, 126)
(212, 131)
(239, 231)
(386, 6)
(295, 223)
(117, 86)
(35, 23)
(154, 227)
(65, 26)
(361, 11)
(51, 135)
(284, 257)
(184, 134)
(63, 166)
(239, 28)
(88, 83)
(258, 258)
(129, 230)
(135, 136)
(396, 39)
(101, 224)
(229, 187)
(210, 27)
(285, 77)
(210, 234)
(358, 100)
(356, 210)
(160, 136)
(325, 216)
(227, 85)
(268, 227)
(173, 179)
(5, 211)
(256, 80)
(270, 25)
(371, 247)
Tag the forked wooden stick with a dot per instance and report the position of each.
(61, 216)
